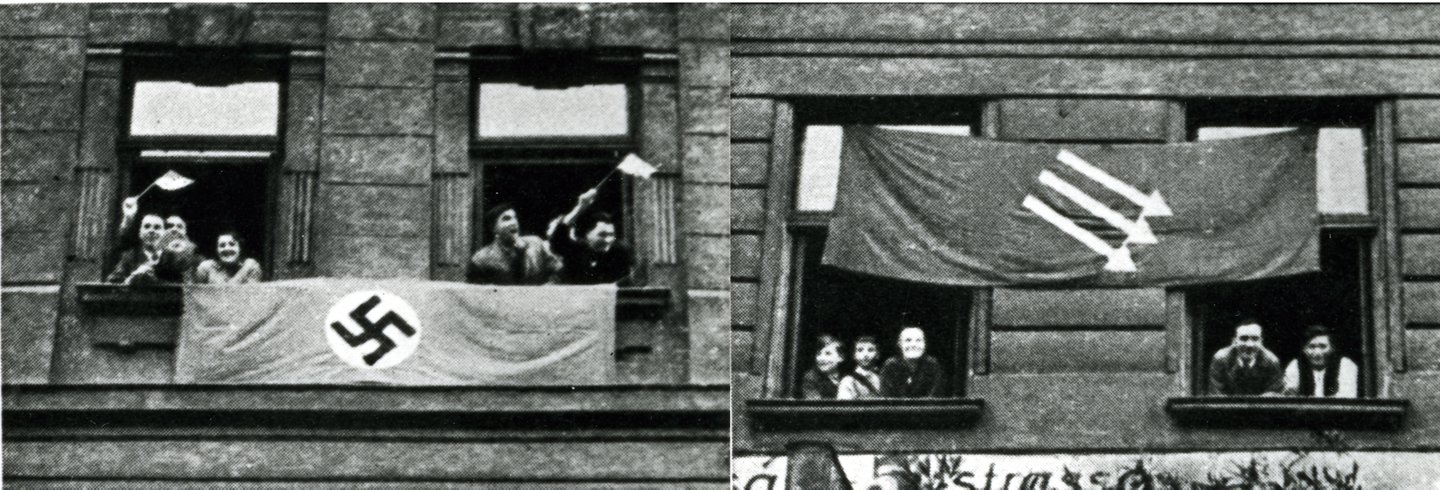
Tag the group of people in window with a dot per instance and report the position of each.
(912, 374)
(1247, 368)
(1244, 368)
(581, 249)
(156, 248)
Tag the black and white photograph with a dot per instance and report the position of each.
(378, 245)
(769, 246)
(1085, 246)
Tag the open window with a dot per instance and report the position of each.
(1337, 296)
(214, 118)
(545, 131)
(849, 306)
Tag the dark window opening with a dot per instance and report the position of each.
(541, 193)
(849, 305)
(224, 196)
(1337, 297)
(214, 117)
(1285, 307)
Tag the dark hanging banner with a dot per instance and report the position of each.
(963, 211)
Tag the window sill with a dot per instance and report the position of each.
(1288, 412)
(893, 413)
(172, 407)
(118, 299)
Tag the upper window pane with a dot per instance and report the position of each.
(513, 110)
(820, 163)
(182, 109)
(1340, 177)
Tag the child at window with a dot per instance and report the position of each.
(912, 374)
(229, 266)
(822, 381)
(864, 382)
(1320, 371)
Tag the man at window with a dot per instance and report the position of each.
(1246, 367)
(137, 263)
(585, 242)
(1320, 371)
(510, 258)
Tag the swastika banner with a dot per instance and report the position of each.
(963, 211)
(347, 331)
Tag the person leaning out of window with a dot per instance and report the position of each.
(1246, 367)
(230, 266)
(157, 250)
(140, 251)
(822, 381)
(1320, 371)
(912, 374)
(585, 242)
(510, 258)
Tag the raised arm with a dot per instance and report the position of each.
(583, 203)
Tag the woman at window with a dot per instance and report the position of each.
(1320, 371)
(864, 382)
(585, 242)
(912, 374)
(822, 381)
(229, 267)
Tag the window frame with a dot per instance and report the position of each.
(512, 68)
(1371, 227)
(805, 226)
(186, 65)
(589, 68)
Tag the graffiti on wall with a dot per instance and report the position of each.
(757, 473)
(1182, 471)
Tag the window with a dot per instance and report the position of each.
(548, 130)
(1337, 296)
(849, 306)
(834, 303)
(213, 118)
(509, 110)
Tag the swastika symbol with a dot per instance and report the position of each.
(364, 341)
(372, 330)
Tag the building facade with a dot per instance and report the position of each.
(1045, 382)
(359, 141)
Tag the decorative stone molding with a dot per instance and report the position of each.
(555, 27)
(209, 24)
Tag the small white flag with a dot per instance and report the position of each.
(172, 181)
(633, 165)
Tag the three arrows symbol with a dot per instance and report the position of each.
(1118, 259)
